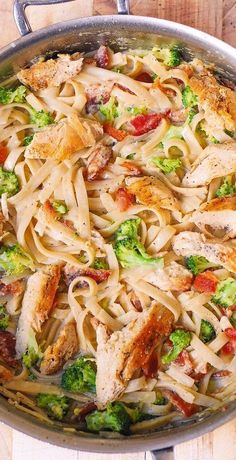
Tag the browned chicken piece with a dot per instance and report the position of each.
(178, 117)
(15, 288)
(98, 160)
(218, 102)
(49, 73)
(122, 353)
(174, 277)
(219, 213)
(65, 138)
(152, 192)
(57, 354)
(37, 304)
(5, 374)
(195, 244)
(216, 160)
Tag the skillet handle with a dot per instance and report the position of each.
(163, 454)
(23, 24)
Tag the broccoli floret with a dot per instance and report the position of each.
(100, 263)
(30, 357)
(80, 376)
(109, 110)
(136, 110)
(60, 207)
(41, 118)
(55, 406)
(229, 133)
(7, 95)
(207, 331)
(129, 251)
(171, 57)
(28, 139)
(181, 340)
(9, 182)
(227, 188)
(189, 99)
(131, 156)
(225, 294)
(191, 114)
(167, 165)
(160, 400)
(173, 132)
(4, 317)
(117, 417)
(14, 260)
(198, 264)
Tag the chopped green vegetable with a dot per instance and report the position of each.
(131, 156)
(117, 417)
(167, 165)
(9, 182)
(100, 263)
(191, 114)
(227, 188)
(55, 406)
(60, 207)
(198, 264)
(189, 99)
(181, 339)
(207, 331)
(4, 317)
(173, 132)
(28, 139)
(30, 357)
(229, 133)
(117, 69)
(233, 321)
(160, 400)
(109, 110)
(8, 95)
(136, 110)
(225, 294)
(129, 251)
(14, 260)
(41, 118)
(171, 57)
(80, 376)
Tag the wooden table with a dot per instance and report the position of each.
(217, 17)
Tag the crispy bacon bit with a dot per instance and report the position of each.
(228, 349)
(5, 374)
(205, 282)
(151, 366)
(102, 56)
(68, 223)
(144, 77)
(15, 288)
(97, 94)
(3, 153)
(85, 410)
(123, 198)
(184, 359)
(8, 349)
(123, 88)
(178, 117)
(89, 60)
(230, 332)
(144, 123)
(70, 273)
(223, 373)
(97, 161)
(136, 302)
(186, 408)
(133, 169)
(117, 134)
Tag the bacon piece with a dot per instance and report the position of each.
(15, 288)
(123, 198)
(205, 282)
(97, 161)
(186, 408)
(85, 410)
(151, 366)
(3, 153)
(5, 374)
(102, 56)
(117, 134)
(223, 373)
(123, 88)
(97, 94)
(145, 77)
(144, 123)
(230, 332)
(8, 349)
(70, 273)
(184, 360)
(133, 169)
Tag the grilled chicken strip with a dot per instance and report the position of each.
(195, 244)
(123, 352)
(216, 160)
(174, 277)
(37, 304)
(219, 213)
(63, 139)
(66, 346)
(50, 73)
(97, 160)
(152, 192)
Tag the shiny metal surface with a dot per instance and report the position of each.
(120, 32)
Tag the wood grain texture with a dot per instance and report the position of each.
(217, 17)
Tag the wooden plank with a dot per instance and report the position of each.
(135, 456)
(5, 442)
(229, 22)
(205, 15)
